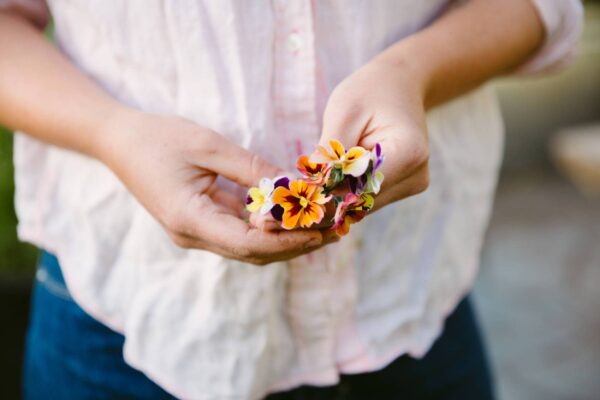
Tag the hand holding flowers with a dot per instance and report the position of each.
(175, 178)
(381, 106)
(349, 179)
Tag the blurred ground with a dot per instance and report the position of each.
(537, 293)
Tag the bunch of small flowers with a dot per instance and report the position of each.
(346, 179)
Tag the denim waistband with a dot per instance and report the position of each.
(49, 274)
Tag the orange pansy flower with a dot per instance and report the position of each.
(303, 204)
(315, 173)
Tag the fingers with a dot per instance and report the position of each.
(265, 222)
(210, 224)
(218, 231)
(268, 223)
(234, 162)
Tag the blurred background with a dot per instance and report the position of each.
(537, 294)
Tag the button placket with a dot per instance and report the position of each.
(294, 76)
(294, 42)
(311, 281)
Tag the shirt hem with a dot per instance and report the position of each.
(364, 362)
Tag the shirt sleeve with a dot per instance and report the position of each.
(34, 10)
(563, 23)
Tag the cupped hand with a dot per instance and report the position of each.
(171, 166)
(383, 103)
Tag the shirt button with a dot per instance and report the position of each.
(294, 42)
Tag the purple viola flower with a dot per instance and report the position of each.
(282, 181)
(277, 210)
(377, 159)
(357, 185)
(375, 178)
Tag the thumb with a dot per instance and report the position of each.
(236, 163)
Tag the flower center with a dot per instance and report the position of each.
(303, 201)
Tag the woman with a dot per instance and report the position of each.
(141, 133)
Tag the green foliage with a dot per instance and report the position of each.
(16, 258)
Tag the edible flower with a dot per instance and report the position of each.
(277, 210)
(351, 177)
(351, 210)
(375, 178)
(303, 204)
(315, 173)
(259, 198)
(352, 162)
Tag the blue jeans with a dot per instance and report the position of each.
(70, 355)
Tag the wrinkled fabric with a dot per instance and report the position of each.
(562, 21)
(259, 73)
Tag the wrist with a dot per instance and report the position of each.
(113, 133)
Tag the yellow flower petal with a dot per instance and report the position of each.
(296, 187)
(309, 190)
(319, 197)
(337, 147)
(253, 207)
(310, 215)
(280, 195)
(256, 194)
(357, 166)
(355, 152)
(289, 220)
(258, 199)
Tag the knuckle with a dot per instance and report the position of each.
(423, 155)
(174, 222)
(419, 157)
(260, 167)
(285, 241)
(207, 147)
(255, 165)
(422, 182)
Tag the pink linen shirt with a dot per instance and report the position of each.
(259, 72)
